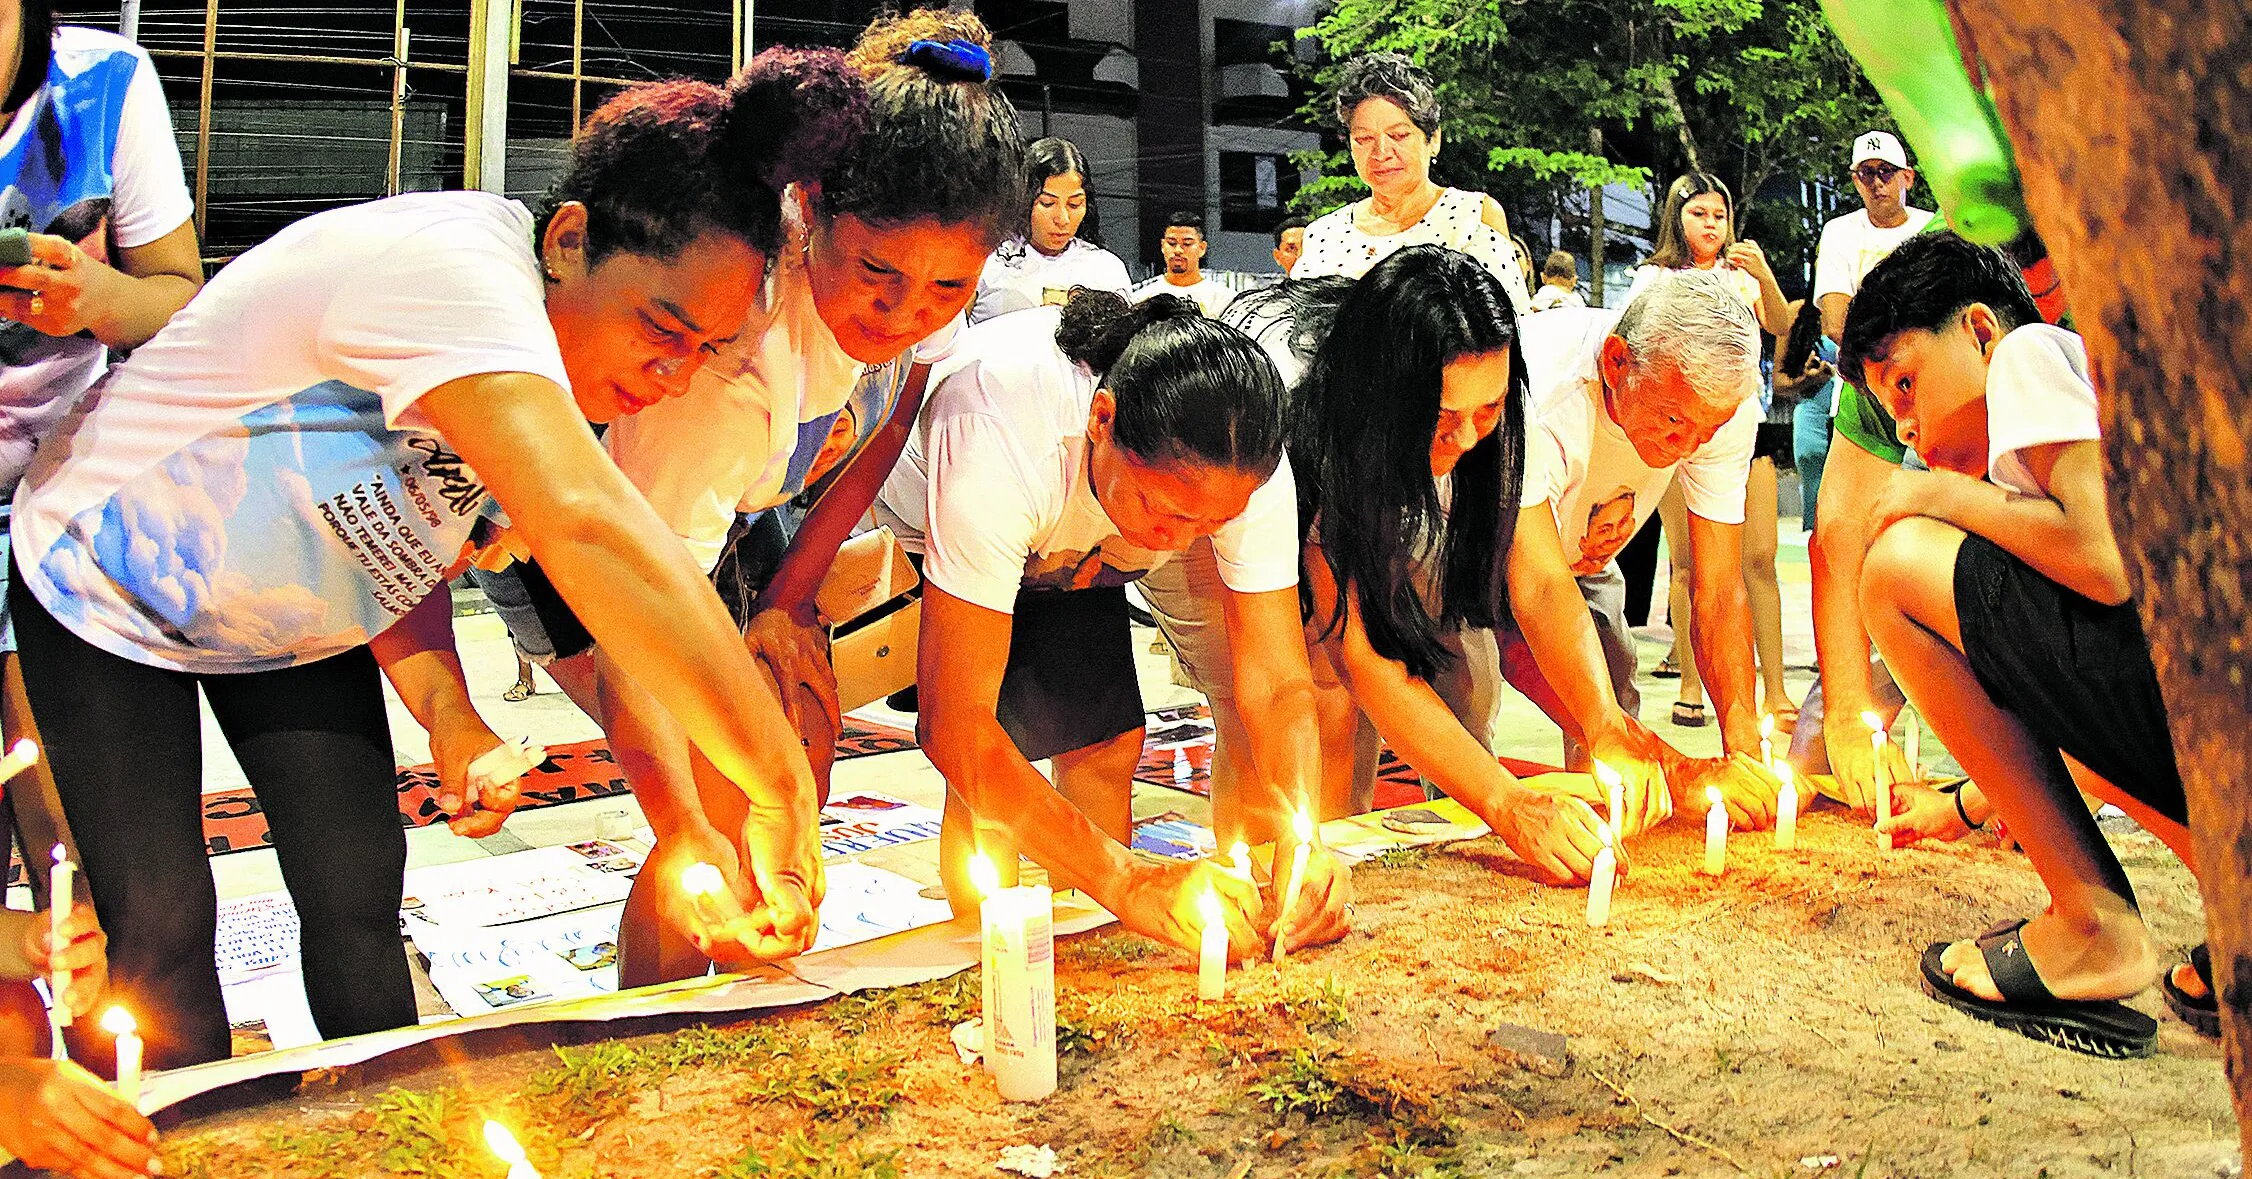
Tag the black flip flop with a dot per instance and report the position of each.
(2105, 1028)
(2200, 1012)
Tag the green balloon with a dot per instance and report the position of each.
(1908, 50)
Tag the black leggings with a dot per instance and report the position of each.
(125, 741)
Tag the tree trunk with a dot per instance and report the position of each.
(1681, 129)
(2132, 121)
(1595, 224)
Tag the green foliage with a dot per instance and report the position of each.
(1324, 1007)
(951, 999)
(1403, 856)
(436, 1135)
(1311, 1082)
(1755, 90)
(1087, 1025)
(833, 1156)
(599, 1081)
(831, 1083)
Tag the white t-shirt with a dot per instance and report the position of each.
(1334, 245)
(993, 487)
(256, 487)
(1581, 463)
(1209, 295)
(2037, 394)
(1017, 276)
(726, 443)
(104, 110)
(1851, 247)
(1740, 281)
(1554, 296)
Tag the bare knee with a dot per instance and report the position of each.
(1908, 571)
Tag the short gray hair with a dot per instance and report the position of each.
(1697, 323)
(1390, 76)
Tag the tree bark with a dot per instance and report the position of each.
(2132, 121)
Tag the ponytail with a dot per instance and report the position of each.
(1188, 388)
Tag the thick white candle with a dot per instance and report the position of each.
(118, 1022)
(61, 894)
(1212, 963)
(1883, 775)
(1716, 833)
(1615, 786)
(1302, 826)
(1786, 810)
(503, 1145)
(1601, 881)
(21, 756)
(1020, 1018)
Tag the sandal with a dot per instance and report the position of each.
(1687, 715)
(2103, 1027)
(2200, 1012)
(519, 692)
(1667, 669)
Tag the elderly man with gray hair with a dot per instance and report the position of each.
(1621, 402)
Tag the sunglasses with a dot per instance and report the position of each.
(1875, 174)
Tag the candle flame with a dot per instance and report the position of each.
(1241, 855)
(25, 749)
(984, 875)
(1608, 776)
(503, 1144)
(1876, 723)
(1712, 795)
(1767, 725)
(117, 1021)
(1783, 771)
(1208, 907)
(1302, 825)
(702, 880)
(59, 856)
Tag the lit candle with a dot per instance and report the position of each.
(21, 756)
(1600, 883)
(118, 1022)
(61, 894)
(1212, 963)
(1302, 826)
(1716, 833)
(1020, 989)
(1786, 810)
(702, 882)
(1766, 740)
(1240, 854)
(503, 1145)
(987, 880)
(1877, 738)
(1615, 785)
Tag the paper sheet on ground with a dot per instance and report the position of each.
(503, 890)
(865, 820)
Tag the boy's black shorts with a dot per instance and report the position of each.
(2076, 672)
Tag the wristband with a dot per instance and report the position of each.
(1956, 791)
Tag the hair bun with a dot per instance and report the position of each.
(950, 61)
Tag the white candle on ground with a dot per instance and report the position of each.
(503, 1145)
(1615, 786)
(118, 1022)
(1601, 881)
(21, 756)
(1786, 810)
(1020, 1012)
(1302, 826)
(1212, 963)
(1883, 776)
(1716, 833)
(61, 894)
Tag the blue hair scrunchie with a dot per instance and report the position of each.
(964, 61)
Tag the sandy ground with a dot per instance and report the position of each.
(1765, 1024)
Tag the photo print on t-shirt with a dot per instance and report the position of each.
(1610, 524)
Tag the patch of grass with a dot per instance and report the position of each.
(1401, 857)
(434, 1135)
(1308, 1082)
(852, 1084)
(1089, 1025)
(833, 1156)
(597, 1082)
(1323, 1007)
(1169, 1130)
(1397, 1159)
(951, 1000)
(856, 1014)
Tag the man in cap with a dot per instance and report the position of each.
(1852, 245)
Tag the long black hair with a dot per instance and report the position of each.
(1188, 388)
(1360, 446)
(1056, 156)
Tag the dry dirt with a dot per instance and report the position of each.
(1751, 1025)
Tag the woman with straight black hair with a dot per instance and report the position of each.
(1060, 246)
(1067, 452)
(1407, 440)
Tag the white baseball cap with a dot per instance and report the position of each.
(1879, 145)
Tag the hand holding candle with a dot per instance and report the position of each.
(1302, 828)
(1883, 773)
(1602, 881)
(1716, 833)
(1212, 958)
(62, 889)
(1614, 786)
(1786, 809)
(118, 1022)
